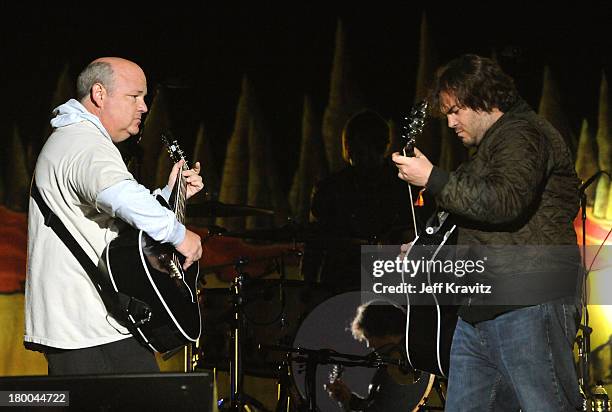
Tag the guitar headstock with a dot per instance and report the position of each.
(336, 373)
(412, 125)
(174, 149)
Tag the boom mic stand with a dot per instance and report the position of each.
(584, 342)
(312, 358)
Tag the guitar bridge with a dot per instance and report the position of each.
(170, 264)
(175, 272)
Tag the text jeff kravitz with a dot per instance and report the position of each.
(435, 288)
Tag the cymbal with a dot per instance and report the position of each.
(297, 233)
(213, 208)
(273, 234)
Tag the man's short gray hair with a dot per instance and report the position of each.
(96, 72)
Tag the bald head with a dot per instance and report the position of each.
(103, 70)
(114, 89)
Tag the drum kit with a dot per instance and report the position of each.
(292, 331)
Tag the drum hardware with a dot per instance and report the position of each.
(312, 358)
(326, 326)
(293, 232)
(213, 208)
(600, 401)
(216, 268)
(238, 398)
(284, 387)
(221, 404)
(267, 321)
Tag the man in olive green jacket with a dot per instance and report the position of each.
(514, 202)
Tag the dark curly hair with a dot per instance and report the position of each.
(377, 318)
(476, 82)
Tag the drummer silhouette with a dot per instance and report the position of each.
(381, 326)
(363, 203)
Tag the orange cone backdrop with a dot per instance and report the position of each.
(13, 250)
(14, 359)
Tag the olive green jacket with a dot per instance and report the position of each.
(518, 196)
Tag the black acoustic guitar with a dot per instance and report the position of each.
(430, 324)
(151, 274)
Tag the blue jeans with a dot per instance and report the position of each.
(522, 359)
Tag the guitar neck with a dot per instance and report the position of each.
(181, 195)
(412, 126)
(409, 147)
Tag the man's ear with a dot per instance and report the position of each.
(98, 94)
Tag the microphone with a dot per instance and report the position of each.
(589, 181)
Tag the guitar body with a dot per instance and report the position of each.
(132, 263)
(159, 298)
(431, 321)
(429, 335)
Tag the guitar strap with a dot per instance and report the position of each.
(127, 310)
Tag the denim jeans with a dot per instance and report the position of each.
(521, 360)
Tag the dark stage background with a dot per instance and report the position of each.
(200, 53)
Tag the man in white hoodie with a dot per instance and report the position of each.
(82, 178)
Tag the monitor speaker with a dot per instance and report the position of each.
(135, 392)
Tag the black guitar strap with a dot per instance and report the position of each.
(128, 311)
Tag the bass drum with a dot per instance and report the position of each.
(328, 326)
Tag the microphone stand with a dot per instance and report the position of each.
(238, 399)
(584, 344)
(312, 358)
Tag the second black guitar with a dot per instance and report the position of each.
(163, 295)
